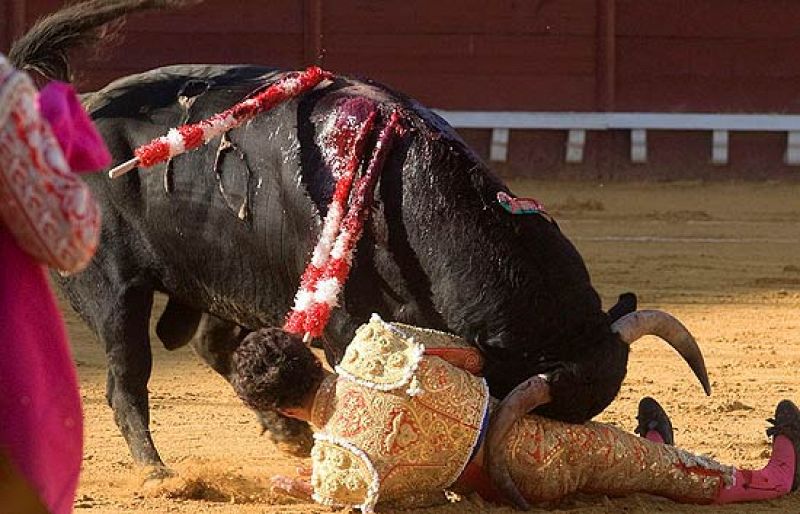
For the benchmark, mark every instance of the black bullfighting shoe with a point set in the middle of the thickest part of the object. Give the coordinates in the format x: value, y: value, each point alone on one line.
x: 652, y: 416
x: 787, y: 423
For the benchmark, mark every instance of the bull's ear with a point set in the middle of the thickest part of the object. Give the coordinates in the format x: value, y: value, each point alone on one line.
x: 625, y: 305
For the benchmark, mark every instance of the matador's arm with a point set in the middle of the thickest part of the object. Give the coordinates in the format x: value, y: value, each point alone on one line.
x: 44, y: 138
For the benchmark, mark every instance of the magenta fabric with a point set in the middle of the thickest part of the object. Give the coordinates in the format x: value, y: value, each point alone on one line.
x: 82, y: 145
x: 773, y: 481
x: 654, y: 436
x: 41, y: 428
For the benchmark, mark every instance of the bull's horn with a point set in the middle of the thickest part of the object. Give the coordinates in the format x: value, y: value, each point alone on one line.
x: 525, y: 397
x: 658, y: 323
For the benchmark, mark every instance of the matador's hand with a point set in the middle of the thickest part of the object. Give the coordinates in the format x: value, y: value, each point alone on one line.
x: 296, y: 487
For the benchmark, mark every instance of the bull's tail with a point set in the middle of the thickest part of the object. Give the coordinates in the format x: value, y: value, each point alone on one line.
x: 44, y: 48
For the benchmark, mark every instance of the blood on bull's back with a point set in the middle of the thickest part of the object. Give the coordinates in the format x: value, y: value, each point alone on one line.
x: 228, y: 228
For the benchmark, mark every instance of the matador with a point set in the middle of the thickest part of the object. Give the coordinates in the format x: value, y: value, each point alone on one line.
x: 406, y: 417
x: 47, y: 218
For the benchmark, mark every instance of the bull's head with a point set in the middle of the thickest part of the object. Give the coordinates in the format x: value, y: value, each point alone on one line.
x: 536, y: 312
x: 539, y: 390
x: 584, y: 382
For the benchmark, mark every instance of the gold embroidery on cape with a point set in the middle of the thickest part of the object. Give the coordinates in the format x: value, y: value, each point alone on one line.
x: 380, y: 356
x: 339, y: 475
x: 448, y: 346
x: 49, y: 212
x: 415, y: 443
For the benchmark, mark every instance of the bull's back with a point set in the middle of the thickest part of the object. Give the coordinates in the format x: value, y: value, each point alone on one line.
x: 212, y: 228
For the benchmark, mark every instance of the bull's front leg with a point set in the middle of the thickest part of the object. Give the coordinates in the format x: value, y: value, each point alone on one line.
x: 215, y: 342
x: 122, y: 326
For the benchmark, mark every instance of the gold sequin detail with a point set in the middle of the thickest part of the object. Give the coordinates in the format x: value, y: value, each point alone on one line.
x: 338, y: 474
x: 549, y: 460
x: 380, y: 356
x: 441, y: 343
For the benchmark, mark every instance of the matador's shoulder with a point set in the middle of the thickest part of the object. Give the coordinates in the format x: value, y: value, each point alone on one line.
x: 381, y: 357
x: 385, y: 356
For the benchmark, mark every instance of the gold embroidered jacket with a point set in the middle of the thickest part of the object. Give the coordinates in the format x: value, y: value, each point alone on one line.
x: 396, y: 421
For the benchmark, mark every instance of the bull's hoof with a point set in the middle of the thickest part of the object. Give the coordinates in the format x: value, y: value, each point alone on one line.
x: 154, y: 476
x: 298, y: 445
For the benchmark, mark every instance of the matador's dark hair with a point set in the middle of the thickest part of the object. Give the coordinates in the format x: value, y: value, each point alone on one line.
x: 273, y: 369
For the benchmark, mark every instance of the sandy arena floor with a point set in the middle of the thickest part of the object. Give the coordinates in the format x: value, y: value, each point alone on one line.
x: 725, y: 258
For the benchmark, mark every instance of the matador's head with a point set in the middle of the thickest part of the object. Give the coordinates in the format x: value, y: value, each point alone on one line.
x: 274, y: 370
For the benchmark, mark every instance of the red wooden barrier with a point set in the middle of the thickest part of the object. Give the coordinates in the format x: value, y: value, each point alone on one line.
x: 570, y: 55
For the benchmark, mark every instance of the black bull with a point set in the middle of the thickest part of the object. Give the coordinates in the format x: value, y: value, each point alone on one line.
x: 226, y: 231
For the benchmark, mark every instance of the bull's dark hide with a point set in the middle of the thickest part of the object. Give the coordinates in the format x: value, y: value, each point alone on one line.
x: 227, y: 230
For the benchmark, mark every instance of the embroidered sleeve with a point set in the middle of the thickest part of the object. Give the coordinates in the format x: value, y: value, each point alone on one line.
x: 342, y: 475
x: 49, y: 210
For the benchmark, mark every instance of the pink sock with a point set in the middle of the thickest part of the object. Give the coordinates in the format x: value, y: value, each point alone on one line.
x: 771, y: 482
x: 654, y: 436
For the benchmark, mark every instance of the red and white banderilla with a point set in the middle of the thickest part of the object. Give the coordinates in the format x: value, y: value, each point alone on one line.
x: 323, y: 281
x: 188, y: 137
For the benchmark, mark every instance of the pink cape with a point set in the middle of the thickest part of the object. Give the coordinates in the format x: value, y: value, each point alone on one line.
x: 41, y: 427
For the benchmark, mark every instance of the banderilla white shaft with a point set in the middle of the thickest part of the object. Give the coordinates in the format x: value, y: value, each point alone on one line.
x: 123, y: 168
